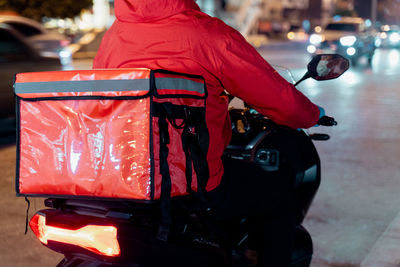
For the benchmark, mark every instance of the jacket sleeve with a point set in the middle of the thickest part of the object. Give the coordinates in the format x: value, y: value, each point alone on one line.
x: 245, y: 74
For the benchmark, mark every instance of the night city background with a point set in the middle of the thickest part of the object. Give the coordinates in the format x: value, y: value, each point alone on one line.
x: 355, y: 217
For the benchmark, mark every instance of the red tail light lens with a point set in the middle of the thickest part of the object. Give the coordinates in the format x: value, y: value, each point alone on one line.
x: 64, y: 43
x: 97, y: 238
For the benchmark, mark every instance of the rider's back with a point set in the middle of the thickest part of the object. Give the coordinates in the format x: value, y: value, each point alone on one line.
x: 175, y: 35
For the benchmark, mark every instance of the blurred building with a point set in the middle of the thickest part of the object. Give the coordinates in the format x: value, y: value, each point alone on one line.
x: 295, y: 10
x: 387, y: 10
x: 299, y: 13
x: 322, y: 10
x: 99, y: 17
x: 101, y: 13
x: 363, y: 8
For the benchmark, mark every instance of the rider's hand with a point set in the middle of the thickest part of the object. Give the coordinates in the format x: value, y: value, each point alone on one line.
x: 327, y: 121
x: 321, y: 114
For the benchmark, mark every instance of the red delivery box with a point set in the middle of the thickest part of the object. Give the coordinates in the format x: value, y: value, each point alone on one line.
x: 114, y: 133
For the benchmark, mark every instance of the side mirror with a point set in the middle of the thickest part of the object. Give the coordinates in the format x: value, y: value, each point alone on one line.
x: 327, y: 66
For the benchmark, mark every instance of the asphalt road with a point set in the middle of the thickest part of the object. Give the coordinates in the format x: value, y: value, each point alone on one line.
x: 358, y: 198
x: 357, y: 205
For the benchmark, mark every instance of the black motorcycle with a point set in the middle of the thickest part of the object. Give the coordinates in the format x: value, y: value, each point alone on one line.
x: 122, y: 233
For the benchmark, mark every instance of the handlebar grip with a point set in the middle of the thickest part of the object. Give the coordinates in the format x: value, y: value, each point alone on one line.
x: 327, y: 121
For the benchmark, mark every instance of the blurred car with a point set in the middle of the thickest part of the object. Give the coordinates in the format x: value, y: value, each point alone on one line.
x: 17, y: 55
x: 351, y: 37
x: 297, y: 34
x: 390, y: 36
x: 48, y: 43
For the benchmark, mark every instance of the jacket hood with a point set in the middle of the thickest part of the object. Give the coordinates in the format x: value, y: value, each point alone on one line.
x: 150, y: 10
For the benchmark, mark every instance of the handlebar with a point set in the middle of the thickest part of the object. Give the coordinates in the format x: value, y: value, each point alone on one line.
x: 327, y: 121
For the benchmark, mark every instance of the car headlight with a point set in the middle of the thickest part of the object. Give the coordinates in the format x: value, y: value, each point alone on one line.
x: 316, y: 39
x: 348, y: 40
x: 351, y: 51
x: 311, y: 49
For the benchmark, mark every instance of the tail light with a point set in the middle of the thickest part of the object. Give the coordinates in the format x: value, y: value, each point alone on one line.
x: 64, y: 43
x: 96, y: 238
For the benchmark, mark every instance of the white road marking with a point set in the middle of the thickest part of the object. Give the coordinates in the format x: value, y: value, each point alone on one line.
x: 386, y: 250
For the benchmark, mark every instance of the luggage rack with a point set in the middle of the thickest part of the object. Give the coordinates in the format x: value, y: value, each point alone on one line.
x: 118, y: 209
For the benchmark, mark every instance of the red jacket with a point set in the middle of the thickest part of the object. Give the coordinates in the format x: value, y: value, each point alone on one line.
x: 175, y: 35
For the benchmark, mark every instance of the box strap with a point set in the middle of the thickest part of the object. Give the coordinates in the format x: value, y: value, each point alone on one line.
x: 195, y: 146
x: 27, y: 215
x: 195, y: 140
x: 165, y: 198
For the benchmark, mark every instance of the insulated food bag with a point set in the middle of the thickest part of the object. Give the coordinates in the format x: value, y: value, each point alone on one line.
x: 131, y: 134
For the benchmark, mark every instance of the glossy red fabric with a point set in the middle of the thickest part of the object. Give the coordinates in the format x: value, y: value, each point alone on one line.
x: 175, y: 35
x: 176, y: 162
x: 176, y: 156
x: 76, y: 147
x: 72, y: 145
x: 82, y: 75
x: 164, y: 90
